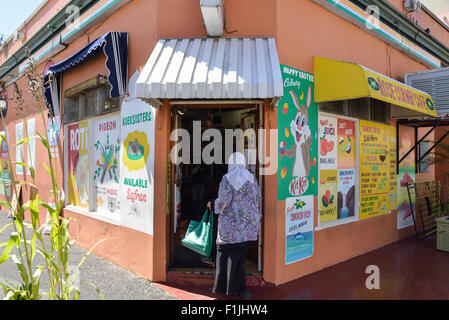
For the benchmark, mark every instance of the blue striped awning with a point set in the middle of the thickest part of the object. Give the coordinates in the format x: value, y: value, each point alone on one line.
x: 115, y: 47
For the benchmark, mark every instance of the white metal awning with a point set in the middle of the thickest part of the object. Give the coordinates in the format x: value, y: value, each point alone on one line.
x: 212, y: 68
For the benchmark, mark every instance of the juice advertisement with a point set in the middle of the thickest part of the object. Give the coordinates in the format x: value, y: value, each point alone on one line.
x: 328, y: 195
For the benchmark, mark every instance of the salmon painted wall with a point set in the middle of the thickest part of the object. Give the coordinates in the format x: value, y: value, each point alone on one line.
x: 39, y: 20
x: 425, y: 21
x: 302, y: 30
x: 301, y: 35
x: 128, y: 248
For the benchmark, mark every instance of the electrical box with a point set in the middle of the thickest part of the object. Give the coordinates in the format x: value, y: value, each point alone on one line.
x: 443, y: 233
x: 412, y: 5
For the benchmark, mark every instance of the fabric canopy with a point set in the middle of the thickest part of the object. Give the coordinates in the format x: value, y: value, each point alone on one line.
x: 338, y: 80
x: 115, y: 47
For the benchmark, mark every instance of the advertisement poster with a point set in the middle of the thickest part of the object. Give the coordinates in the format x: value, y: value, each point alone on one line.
x: 337, y: 168
x: 328, y: 195
x: 346, y: 168
x: 374, y: 169
x: 298, y: 136
x: 107, y: 166
x: 328, y: 143
x: 4, y: 147
x: 5, y: 175
x: 19, y: 149
x: 406, y: 174
x: 137, y: 162
x: 393, y: 170
x: 31, y: 145
x: 346, y: 193
x: 78, y: 165
x: 53, y: 131
x: 298, y: 228
x: 5, y: 178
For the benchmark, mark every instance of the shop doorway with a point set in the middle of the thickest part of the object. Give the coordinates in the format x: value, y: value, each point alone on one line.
x: 193, y: 185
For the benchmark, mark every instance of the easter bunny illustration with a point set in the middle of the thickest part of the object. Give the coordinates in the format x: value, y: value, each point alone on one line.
x: 299, y: 128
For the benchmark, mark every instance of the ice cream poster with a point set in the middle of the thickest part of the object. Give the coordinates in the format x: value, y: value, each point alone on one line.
x: 406, y: 175
x: 297, y: 136
x: 374, y: 169
x: 78, y: 165
x: 137, y: 162
x: 298, y: 228
x: 106, y: 173
x: 328, y: 195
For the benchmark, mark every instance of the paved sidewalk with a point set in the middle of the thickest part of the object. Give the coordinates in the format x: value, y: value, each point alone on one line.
x: 409, y: 269
x: 114, y: 282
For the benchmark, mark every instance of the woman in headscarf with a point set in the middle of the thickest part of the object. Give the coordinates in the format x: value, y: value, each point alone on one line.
x: 239, y: 211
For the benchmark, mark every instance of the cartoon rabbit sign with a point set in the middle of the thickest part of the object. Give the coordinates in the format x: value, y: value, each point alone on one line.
x: 300, y: 131
x: 297, y: 123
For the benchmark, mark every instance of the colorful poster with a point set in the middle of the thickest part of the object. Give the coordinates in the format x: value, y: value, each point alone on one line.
x: 5, y: 178
x: 346, y: 193
x: 31, y: 132
x: 374, y: 169
x: 328, y: 195
x: 106, y: 173
x: 328, y: 143
x: 298, y: 138
x: 5, y: 175
x: 137, y: 162
x: 393, y: 170
x: 78, y: 165
x: 346, y: 144
x: 53, y: 131
x: 4, y: 147
x: 406, y: 175
x: 298, y: 228
x: 346, y: 168
x: 19, y: 148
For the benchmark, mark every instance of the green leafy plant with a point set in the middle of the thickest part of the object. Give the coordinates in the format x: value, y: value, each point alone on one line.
x: 55, y: 256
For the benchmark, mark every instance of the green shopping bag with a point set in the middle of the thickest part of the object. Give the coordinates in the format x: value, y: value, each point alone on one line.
x: 199, y: 235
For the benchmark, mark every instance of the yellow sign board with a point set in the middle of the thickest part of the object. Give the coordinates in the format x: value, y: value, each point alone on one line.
x: 338, y: 80
x: 374, y: 169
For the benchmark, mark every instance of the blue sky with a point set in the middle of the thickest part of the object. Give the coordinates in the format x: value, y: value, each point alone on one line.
x: 13, y: 13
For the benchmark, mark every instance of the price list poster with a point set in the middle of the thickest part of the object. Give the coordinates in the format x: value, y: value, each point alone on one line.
x: 374, y: 169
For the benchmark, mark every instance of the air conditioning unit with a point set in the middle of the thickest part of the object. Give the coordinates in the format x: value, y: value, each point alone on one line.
x: 412, y: 5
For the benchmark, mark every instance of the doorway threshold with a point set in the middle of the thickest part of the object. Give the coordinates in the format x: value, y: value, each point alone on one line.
x: 206, y: 276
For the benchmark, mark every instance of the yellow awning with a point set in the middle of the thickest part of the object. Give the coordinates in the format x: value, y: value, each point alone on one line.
x: 338, y: 80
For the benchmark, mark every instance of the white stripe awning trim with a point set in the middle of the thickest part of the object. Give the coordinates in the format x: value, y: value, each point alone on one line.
x: 212, y: 68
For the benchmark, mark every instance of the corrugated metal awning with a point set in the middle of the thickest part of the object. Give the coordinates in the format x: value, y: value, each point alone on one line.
x: 208, y: 68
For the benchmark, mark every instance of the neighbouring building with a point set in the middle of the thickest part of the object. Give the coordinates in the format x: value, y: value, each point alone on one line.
x: 323, y: 78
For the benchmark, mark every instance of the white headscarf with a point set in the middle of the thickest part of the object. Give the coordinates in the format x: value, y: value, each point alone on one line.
x: 237, y: 173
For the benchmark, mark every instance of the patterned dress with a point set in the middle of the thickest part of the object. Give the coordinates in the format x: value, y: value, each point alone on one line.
x: 239, y: 212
